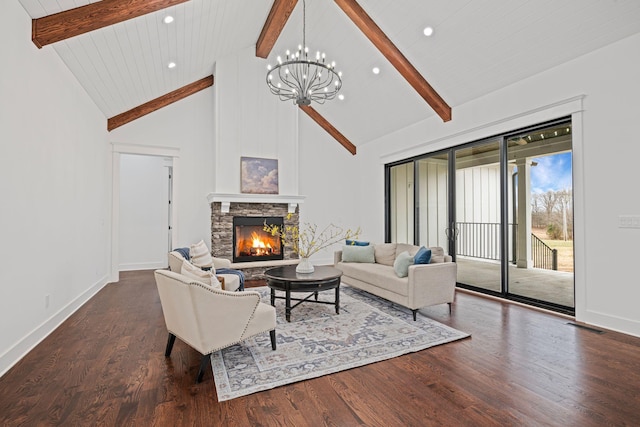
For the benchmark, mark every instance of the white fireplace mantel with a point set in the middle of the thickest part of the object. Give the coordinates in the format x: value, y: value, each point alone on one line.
x: 226, y: 200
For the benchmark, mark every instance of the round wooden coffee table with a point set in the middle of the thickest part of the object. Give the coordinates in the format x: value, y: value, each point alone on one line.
x: 286, y: 279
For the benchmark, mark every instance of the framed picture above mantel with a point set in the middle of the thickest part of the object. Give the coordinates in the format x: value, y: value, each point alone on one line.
x: 258, y: 176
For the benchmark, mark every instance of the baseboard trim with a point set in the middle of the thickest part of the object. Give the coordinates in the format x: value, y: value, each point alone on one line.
x: 153, y: 265
x: 612, y: 323
x: 31, y: 340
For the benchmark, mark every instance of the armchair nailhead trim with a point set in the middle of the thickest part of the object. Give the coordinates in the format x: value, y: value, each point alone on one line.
x: 234, y: 295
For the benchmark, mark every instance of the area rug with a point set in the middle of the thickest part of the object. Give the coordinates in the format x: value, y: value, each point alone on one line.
x: 318, y: 342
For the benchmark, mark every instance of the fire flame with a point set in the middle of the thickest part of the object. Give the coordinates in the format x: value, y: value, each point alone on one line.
x: 258, y: 243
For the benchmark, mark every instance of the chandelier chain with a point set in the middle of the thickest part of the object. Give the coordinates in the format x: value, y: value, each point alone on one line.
x: 304, y: 23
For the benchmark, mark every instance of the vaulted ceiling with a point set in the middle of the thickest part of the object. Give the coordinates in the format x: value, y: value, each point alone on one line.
x: 477, y: 47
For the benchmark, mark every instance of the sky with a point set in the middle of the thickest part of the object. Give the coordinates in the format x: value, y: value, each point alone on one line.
x: 259, y: 176
x: 552, y: 173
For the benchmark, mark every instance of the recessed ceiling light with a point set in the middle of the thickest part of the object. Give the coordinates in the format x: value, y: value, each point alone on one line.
x: 168, y: 19
x: 172, y: 65
x: 428, y: 31
x: 341, y: 97
x: 376, y: 70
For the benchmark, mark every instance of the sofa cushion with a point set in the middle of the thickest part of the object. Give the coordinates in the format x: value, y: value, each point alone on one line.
x: 200, y: 255
x: 358, y: 254
x: 385, y: 253
x: 423, y: 256
x: 402, y: 247
x: 402, y: 263
x: 379, y: 275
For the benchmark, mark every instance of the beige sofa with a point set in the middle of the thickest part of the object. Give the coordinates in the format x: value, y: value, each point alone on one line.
x: 425, y: 285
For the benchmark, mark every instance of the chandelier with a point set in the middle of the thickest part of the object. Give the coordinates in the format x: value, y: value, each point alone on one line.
x: 302, y: 79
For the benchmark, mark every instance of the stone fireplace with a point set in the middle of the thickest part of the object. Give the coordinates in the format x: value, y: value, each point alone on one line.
x: 225, y: 208
x: 252, y: 243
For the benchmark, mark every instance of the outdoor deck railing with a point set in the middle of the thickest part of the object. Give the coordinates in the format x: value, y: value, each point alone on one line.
x: 478, y: 240
x: 482, y: 240
x: 543, y: 255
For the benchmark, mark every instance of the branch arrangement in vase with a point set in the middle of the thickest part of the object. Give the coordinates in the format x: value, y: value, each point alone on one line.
x: 307, y: 240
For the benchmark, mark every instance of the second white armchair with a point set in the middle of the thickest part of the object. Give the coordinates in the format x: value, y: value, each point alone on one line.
x: 210, y: 319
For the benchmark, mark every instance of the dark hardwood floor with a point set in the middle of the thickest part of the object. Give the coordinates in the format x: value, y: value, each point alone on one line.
x: 105, y: 366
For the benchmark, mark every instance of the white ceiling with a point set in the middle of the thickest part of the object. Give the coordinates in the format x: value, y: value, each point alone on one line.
x: 478, y: 47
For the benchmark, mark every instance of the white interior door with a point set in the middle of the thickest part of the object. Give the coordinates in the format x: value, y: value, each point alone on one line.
x: 144, y: 212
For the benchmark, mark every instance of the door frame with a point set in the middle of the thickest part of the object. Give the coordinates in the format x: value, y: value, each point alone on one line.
x: 117, y: 149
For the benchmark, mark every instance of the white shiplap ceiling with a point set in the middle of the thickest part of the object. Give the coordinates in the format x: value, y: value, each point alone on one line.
x: 478, y: 47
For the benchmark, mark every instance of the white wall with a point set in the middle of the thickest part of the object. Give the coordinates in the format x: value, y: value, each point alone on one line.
x: 605, y: 150
x: 187, y: 127
x: 54, y: 187
x: 251, y: 122
x: 144, y: 212
x: 328, y: 173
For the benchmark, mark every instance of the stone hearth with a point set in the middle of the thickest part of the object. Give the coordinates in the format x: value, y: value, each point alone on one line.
x: 222, y: 232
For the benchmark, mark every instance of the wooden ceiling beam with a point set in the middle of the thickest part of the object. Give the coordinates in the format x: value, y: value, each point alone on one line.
x: 70, y: 23
x: 311, y: 112
x: 370, y: 29
x: 156, y: 104
x: 278, y: 17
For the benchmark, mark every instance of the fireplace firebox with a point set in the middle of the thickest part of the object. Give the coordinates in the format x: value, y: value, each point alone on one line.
x: 252, y: 243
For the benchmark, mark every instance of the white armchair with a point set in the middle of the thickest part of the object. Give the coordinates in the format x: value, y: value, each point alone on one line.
x: 210, y: 319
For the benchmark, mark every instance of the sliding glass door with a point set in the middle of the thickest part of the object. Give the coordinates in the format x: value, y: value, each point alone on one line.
x: 418, y: 194
x: 401, y: 203
x: 477, y: 223
x: 502, y: 207
x: 540, y: 173
x: 432, y: 192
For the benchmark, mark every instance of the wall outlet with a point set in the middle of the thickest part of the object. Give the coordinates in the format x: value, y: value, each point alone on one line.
x: 47, y: 300
x: 629, y: 221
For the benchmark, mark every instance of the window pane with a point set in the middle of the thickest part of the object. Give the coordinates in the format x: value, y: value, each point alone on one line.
x: 401, y: 200
x: 477, y: 228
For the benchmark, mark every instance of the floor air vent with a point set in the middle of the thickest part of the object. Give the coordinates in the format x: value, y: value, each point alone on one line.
x: 586, y: 328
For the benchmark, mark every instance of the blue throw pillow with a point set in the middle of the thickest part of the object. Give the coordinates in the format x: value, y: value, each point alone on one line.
x: 355, y: 243
x: 423, y: 256
x: 402, y: 263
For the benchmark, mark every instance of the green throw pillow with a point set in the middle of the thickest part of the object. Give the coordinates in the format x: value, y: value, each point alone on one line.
x: 358, y: 254
x: 402, y: 263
